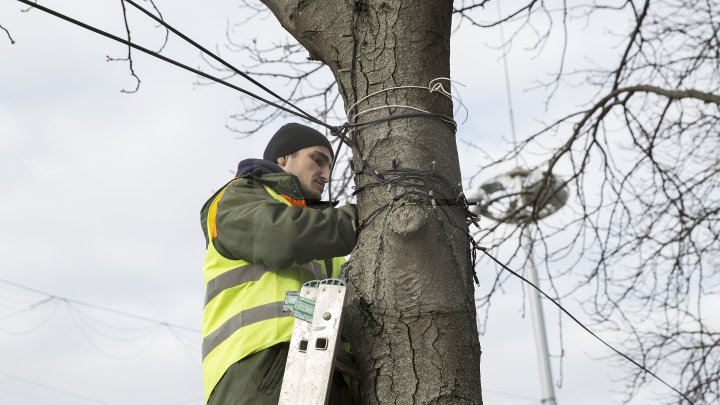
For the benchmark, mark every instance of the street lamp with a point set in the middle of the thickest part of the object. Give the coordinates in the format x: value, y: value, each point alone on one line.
x: 522, y: 197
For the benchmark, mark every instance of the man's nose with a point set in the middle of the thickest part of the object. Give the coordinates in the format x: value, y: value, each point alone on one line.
x: 325, y: 175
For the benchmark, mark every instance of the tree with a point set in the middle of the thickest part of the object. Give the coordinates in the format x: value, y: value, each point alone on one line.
x: 412, y: 324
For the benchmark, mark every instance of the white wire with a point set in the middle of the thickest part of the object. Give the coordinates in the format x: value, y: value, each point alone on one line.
x: 432, y: 87
x: 438, y: 87
x: 442, y: 117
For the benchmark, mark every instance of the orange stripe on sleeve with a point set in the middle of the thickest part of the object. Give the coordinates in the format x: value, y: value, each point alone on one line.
x: 212, y: 228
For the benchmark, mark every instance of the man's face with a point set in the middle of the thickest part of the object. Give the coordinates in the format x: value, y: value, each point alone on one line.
x: 311, y: 165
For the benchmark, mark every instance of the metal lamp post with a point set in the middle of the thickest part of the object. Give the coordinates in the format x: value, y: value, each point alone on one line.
x: 523, y: 197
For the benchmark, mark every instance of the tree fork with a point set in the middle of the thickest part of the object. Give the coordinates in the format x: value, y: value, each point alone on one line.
x: 411, y: 320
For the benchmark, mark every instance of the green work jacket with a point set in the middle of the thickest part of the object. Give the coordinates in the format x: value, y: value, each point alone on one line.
x: 262, y: 241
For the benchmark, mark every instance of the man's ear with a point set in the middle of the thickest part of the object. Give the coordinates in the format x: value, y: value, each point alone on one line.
x: 282, y: 161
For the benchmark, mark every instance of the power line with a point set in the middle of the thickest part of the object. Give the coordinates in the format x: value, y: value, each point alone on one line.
x: 54, y: 389
x: 101, y: 308
x: 176, y: 63
x: 302, y: 114
x: 216, y: 57
x: 516, y: 274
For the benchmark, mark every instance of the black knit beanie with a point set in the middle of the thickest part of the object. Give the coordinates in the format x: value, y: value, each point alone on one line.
x: 291, y: 138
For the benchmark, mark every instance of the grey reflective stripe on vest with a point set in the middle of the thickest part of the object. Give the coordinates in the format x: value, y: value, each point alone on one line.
x: 232, y: 278
x: 243, y: 318
x: 250, y: 272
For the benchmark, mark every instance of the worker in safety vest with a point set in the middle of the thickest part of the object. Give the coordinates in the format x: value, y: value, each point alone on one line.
x: 267, y: 233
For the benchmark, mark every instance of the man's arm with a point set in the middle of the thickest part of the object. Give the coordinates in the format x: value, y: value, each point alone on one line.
x: 253, y: 226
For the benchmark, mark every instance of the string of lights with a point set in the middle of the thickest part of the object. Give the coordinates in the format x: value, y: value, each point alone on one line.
x: 99, y: 307
x: 30, y: 329
x: 85, y: 332
x: 100, y: 334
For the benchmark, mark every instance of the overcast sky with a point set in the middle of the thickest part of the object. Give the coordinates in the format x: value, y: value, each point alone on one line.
x: 100, y: 194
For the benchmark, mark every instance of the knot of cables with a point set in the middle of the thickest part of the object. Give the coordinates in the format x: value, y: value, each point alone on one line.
x: 423, y: 188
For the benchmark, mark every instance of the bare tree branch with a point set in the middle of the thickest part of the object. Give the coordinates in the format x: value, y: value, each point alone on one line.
x: 128, y: 35
x: 12, y: 41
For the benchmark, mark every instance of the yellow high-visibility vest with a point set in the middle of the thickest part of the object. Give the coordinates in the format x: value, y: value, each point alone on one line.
x: 243, y: 303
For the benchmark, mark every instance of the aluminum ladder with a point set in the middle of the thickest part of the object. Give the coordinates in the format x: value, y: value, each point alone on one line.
x: 315, y: 349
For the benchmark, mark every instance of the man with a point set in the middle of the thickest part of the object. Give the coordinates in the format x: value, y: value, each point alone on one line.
x: 266, y: 234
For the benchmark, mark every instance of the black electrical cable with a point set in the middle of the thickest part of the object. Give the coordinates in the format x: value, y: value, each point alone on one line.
x: 217, y: 58
x: 299, y: 113
x: 566, y: 312
x: 174, y: 62
x: 341, y: 134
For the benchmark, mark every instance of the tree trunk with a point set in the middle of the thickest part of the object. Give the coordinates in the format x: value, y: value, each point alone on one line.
x: 412, y: 317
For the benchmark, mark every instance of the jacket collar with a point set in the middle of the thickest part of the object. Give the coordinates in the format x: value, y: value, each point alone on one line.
x: 282, y: 182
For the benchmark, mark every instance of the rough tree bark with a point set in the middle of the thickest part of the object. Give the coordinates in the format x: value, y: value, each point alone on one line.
x: 412, y: 317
